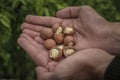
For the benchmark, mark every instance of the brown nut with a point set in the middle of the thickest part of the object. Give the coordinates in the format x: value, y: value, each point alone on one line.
x: 68, y: 51
x: 68, y: 31
x: 49, y: 43
x: 55, y: 53
x: 69, y: 40
x: 60, y: 46
x: 58, y: 38
x: 57, y: 28
x: 46, y: 33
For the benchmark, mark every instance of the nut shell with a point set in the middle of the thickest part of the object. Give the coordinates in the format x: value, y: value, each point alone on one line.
x: 68, y: 31
x: 57, y: 28
x: 69, y: 40
x: 55, y: 53
x: 59, y: 38
x: 46, y: 33
x: 49, y: 43
x: 68, y: 51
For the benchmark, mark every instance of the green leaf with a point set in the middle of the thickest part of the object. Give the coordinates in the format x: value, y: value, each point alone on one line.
x: 5, y: 21
x: 15, y: 4
x: 39, y: 7
x: 24, y: 2
x: 47, y: 13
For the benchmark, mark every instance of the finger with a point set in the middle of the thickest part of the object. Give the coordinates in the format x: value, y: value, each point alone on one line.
x: 51, y: 66
x: 31, y: 33
x: 43, y: 74
x: 37, y: 55
x: 35, y: 44
x: 39, y: 40
x: 44, y: 21
x: 32, y: 27
x: 73, y: 12
x: 69, y: 12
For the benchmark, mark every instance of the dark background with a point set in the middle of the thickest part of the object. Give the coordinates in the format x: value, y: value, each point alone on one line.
x: 14, y: 62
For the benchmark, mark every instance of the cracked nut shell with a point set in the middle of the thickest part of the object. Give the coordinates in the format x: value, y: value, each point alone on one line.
x: 57, y: 28
x: 68, y: 31
x: 69, y: 40
x: 67, y: 51
x: 55, y: 53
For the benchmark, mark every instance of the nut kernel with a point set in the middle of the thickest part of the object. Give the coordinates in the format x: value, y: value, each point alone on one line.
x: 60, y: 47
x: 55, y: 53
x: 68, y: 51
x: 57, y: 28
x: 68, y: 31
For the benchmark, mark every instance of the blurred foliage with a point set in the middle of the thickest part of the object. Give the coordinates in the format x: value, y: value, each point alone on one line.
x: 14, y: 63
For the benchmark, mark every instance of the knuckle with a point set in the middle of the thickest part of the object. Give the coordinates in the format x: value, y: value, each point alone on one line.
x: 27, y: 17
x: 36, y: 69
x: 23, y: 25
x: 25, y: 30
x: 18, y: 40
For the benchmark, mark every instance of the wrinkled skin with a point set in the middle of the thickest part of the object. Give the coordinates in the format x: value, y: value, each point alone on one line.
x: 89, y: 64
x: 92, y: 31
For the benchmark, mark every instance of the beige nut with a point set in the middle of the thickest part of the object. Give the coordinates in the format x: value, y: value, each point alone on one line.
x: 57, y: 28
x: 69, y: 40
x: 60, y: 46
x: 46, y: 33
x: 68, y: 31
x: 58, y: 38
x: 68, y: 51
x: 55, y: 53
x: 49, y: 43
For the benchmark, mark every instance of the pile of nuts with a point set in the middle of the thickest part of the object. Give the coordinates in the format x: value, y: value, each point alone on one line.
x: 59, y: 41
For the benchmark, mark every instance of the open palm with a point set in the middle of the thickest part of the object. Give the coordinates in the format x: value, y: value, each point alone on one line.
x: 88, y: 64
x: 91, y: 32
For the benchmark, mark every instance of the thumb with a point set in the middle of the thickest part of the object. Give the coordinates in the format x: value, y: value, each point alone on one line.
x: 43, y: 74
x: 69, y: 12
x: 79, y: 11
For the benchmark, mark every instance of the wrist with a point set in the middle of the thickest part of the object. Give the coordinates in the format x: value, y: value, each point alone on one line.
x: 115, y: 27
x: 111, y: 42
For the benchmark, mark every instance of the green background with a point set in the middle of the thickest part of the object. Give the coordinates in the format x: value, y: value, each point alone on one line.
x: 14, y: 62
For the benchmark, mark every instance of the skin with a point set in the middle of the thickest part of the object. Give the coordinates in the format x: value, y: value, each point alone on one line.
x: 88, y: 64
x: 92, y: 31
x: 83, y: 65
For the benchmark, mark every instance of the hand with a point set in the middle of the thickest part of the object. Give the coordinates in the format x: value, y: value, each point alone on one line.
x: 35, y: 50
x: 89, y: 64
x: 85, y: 36
x: 92, y: 31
